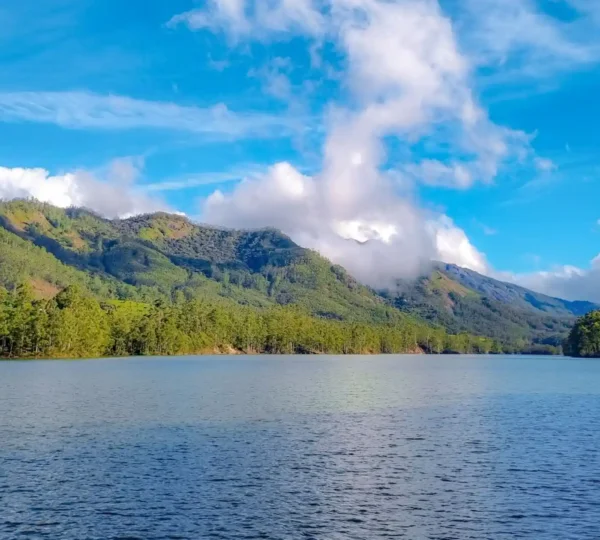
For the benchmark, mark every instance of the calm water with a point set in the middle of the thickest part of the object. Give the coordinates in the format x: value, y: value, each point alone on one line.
x: 284, y: 448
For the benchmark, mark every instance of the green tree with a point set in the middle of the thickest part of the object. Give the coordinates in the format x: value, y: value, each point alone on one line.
x: 21, y: 317
x: 81, y: 327
x: 584, y: 339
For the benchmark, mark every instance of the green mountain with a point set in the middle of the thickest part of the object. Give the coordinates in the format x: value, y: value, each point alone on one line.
x: 167, y: 258
x: 519, y: 297
x: 462, y: 300
x: 163, y: 256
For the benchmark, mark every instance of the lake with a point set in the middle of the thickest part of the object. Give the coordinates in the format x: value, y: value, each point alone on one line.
x: 301, y: 447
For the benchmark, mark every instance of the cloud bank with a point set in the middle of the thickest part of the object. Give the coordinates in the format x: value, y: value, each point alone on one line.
x: 112, y: 192
x: 378, y: 236
x: 407, y: 79
x: 567, y: 282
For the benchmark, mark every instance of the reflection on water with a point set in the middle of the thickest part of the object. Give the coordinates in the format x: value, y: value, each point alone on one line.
x: 324, y: 447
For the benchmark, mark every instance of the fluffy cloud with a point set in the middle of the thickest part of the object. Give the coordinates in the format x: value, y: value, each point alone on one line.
x: 236, y: 18
x: 381, y: 227
x: 453, y: 246
x: 111, y: 193
x: 407, y: 78
x: 379, y: 238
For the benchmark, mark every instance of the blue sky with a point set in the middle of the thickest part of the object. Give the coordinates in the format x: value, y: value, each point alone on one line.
x: 193, y: 97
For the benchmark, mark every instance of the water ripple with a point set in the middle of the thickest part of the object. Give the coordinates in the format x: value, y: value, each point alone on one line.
x: 268, y: 449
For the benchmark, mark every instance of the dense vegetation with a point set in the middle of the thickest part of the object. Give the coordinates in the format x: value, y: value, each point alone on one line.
x: 584, y: 339
x: 162, y: 264
x: 75, y: 325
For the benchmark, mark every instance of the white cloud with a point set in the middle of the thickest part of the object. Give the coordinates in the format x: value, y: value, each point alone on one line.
x: 435, y: 173
x: 402, y: 62
x: 567, y: 282
x: 379, y: 238
x: 229, y: 12
x: 187, y: 181
x: 111, y: 193
x: 407, y: 78
x: 239, y: 17
x: 303, y: 207
x: 453, y: 246
x: 275, y: 78
x: 517, y: 35
x: 84, y: 110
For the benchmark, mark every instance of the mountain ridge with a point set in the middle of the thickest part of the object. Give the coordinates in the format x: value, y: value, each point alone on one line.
x: 506, y: 291
x: 461, y: 300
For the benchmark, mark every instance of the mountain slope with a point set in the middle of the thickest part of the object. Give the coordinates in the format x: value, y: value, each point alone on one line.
x: 515, y: 295
x: 462, y: 300
x: 162, y: 255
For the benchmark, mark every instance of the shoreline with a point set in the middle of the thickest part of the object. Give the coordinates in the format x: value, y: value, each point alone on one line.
x: 239, y: 354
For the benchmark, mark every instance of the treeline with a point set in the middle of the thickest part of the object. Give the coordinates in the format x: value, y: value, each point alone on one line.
x: 75, y: 325
x: 584, y: 339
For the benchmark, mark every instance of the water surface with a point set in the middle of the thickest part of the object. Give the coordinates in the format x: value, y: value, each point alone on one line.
x: 301, y: 447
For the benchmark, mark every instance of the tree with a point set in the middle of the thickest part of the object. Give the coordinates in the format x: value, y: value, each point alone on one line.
x: 21, y: 315
x: 80, y: 325
x: 74, y: 324
x: 584, y: 339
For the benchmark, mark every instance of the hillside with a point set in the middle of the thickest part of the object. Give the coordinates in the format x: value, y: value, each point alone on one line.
x: 519, y: 297
x: 462, y: 300
x: 161, y: 256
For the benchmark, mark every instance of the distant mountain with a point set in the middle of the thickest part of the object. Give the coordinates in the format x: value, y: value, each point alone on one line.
x: 515, y: 295
x: 165, y: 257
x: 462, y: 300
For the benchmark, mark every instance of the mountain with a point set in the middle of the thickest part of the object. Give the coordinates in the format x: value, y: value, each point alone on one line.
x: 462, y: 300
x: 515, y: 295
x: 161, y: 256
x: 164, y: 257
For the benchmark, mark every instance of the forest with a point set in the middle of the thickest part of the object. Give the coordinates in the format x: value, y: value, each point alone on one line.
x: 76, y: 325
x: 584, y: 339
